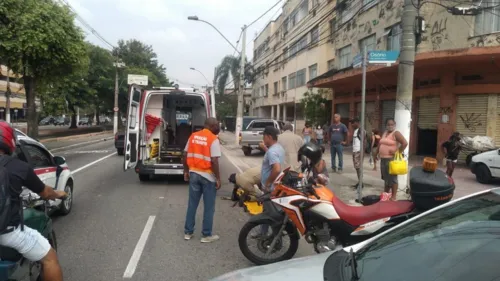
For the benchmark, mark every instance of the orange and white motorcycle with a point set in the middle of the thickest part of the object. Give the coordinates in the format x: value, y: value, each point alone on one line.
x: 298, y: 206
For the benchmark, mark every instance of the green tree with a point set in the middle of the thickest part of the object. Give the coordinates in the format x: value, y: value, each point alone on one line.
x: 41, y: 41
x: 230, y: 67
x: 225, y: 105
x: 101, y: 78
x: 314, y: 105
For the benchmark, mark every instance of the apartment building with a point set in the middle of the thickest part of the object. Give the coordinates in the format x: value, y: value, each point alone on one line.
x: 18, y: 94
x: 457, y: 77
x: 291, y: 50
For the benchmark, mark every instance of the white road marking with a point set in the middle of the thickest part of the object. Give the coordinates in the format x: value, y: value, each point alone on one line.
x: 80, y: 143
x: 87, y: 152
x: 92, y: 163
x: 139, y: 248
x: 230, y: 158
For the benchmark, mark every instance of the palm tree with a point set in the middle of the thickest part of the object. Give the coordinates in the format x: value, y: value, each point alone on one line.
x: 230, y: 66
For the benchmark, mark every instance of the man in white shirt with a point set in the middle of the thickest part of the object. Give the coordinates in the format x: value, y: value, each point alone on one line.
x: 356, y: 147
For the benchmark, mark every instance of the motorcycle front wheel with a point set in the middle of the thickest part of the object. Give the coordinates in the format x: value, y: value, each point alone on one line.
x: 264, y: 237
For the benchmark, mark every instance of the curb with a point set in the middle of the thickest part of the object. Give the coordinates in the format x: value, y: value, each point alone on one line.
x: 74, y: 136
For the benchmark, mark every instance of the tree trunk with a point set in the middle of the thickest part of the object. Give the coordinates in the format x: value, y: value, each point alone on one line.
x: 72, y: 108
x: 29, y: 86
x: 97, y: 114
x: 120, y: 123
x: 7, y: 98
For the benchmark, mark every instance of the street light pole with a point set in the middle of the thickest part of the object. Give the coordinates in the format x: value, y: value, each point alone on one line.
x: 212, y: 92
x: 239, y: 111
x: 195, y: 18
x: 115, y: 109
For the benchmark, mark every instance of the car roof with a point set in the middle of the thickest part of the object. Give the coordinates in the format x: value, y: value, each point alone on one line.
x: 22, y: 136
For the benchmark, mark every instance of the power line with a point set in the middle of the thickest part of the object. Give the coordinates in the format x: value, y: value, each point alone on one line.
x: 265, y: 13
x: 86, y: 24
x: 272, y: 17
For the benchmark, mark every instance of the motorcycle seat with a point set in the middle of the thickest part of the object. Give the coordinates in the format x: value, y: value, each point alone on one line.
x: 9, y: 254
x: 358, y: 215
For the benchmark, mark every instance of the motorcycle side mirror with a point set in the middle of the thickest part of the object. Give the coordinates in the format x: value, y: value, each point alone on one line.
x: 59, y: 160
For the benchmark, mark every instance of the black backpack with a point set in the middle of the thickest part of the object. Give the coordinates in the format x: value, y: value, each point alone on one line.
x: 7, y: 209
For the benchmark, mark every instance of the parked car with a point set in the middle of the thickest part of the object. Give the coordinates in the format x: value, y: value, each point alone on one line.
x: 459, y: 240
x: 49, y: 120
x: 486, y: 166
x: 45, y: 164
x: 120, y: 142
x: 85, y: 121
x: 251, y: 136
x: 61, y: 121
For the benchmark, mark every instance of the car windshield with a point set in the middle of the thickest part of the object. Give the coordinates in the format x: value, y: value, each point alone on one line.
x: 460, y: 242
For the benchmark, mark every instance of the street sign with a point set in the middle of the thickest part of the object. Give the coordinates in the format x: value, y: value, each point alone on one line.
x: 141, y: 80
x: 115, y: 109
x: 383, y: 57
x: 357, y: 61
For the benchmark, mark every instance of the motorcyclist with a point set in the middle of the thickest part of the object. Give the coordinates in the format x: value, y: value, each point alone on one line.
x: 28, y: 242
x: 311, y: 154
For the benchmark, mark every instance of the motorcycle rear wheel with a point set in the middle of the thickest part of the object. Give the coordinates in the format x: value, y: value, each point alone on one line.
x: 245, y: 250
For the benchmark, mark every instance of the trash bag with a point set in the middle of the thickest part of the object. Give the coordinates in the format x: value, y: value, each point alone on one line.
x: 478, y: 143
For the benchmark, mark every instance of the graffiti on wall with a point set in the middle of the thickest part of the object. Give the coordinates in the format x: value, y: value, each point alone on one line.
x: 438, y: 33
x: 471, y: 121
x: 486, y: 41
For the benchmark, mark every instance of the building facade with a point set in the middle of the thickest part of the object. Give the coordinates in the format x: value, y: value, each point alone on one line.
x: 456, y: 81
x: 291, y: 50
x: 17, y: 98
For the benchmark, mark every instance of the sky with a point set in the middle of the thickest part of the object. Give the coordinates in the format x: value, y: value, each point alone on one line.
x: 179, y: 43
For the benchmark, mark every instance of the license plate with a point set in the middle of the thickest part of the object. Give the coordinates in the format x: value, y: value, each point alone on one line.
x: 169, y: 172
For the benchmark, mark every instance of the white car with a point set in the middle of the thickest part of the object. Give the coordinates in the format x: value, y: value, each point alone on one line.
x: 486, y: 166
x: 46, y: 165
x: 457, y: 241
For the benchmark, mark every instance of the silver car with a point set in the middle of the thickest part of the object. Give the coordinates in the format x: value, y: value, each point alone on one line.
x: 458, y: 241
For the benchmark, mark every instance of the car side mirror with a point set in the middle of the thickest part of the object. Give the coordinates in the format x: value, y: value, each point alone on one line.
x: 59, y: 160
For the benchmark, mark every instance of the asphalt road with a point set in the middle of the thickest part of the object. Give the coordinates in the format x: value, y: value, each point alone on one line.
x: 111, y: 210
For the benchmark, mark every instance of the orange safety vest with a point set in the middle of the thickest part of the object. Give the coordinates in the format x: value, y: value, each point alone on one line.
x: 198, y: 154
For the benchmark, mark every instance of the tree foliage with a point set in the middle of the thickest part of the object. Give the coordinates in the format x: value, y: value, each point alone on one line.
x: 225, y: 105
x: 314, y: 105
x: 40, y: 40
x: 230, y: 66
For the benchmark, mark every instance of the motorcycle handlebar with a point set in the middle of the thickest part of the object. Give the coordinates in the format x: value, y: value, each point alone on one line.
x: 310, y: 189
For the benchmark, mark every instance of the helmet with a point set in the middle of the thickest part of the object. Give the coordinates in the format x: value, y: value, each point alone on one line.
x: 311, y: 151
x: 7, y: 137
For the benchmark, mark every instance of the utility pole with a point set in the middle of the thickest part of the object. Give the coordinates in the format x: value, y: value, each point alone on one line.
x: 239, y: 112
x: 362, y: 119
x: 7, y: 97
x: 404, y: 95
x: 117, y: 65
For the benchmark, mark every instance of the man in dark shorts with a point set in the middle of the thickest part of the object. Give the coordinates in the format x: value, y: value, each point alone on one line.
x: 28, y: 242
x: 451, y: 149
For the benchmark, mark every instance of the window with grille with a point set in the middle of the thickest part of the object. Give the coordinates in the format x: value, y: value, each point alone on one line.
x: 345, y: 57
x: 488, y: 20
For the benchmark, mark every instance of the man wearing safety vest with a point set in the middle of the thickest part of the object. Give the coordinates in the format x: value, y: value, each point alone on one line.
x: 201, y: 169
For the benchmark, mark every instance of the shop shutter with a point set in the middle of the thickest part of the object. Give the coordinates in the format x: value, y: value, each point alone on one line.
x: 471, y: 114
x: 388, y: 111
x: 343, y: 110
x: 428, y: 112
x: 497, y: 127
x: 369, y: 114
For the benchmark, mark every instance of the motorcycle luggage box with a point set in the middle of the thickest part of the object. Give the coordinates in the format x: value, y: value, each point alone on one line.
x: 429, y: 190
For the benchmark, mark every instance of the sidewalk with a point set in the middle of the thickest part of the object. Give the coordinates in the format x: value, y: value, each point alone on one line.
x: 465, y: 181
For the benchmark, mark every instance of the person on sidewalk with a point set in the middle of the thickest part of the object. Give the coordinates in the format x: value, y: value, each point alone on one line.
x: 356, y: 148
x: 337, y: 134
x: 319, y: 135
x: 307, y: 132
x: 291, y: 143
x: 201, y: 169
x: 274, y: 159
x: 451, y: 148
x: 391, y: 142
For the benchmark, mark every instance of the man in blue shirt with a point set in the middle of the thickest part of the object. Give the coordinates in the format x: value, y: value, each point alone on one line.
x: 337, y: 133
x: 274, y: 159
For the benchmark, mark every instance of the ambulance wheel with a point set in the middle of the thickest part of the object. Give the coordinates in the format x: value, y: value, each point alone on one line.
x: 144, y: 177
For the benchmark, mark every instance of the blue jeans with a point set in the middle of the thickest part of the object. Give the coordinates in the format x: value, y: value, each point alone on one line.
x: 320, y: 141
x: 199, y: 186
x: 307, y: 139
x: 337, y: 150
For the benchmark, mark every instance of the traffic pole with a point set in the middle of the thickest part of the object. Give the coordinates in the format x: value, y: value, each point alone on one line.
x: 239, y: 112
x: 404, y: 95
x: 115, y: 116
x: 362, y: 120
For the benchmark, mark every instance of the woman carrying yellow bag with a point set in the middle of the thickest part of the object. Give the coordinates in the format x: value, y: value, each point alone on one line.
x: 392, y: 143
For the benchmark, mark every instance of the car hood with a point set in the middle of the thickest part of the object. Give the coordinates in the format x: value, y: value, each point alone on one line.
x: 306, y: 268
x: 491, y: 153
